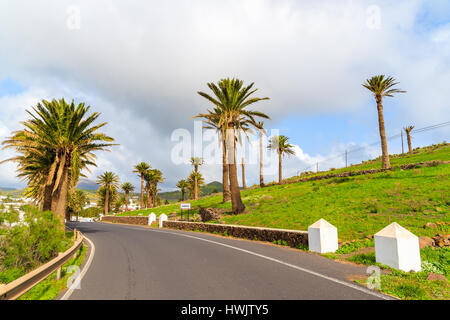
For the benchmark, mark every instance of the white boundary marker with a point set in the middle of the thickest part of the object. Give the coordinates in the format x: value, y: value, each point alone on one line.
x: 347, y: 284
x: 69, y: 292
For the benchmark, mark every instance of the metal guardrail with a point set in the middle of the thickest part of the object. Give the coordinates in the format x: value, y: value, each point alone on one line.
x: 18, y: 287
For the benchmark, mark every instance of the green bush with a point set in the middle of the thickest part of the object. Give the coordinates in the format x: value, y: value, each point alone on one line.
x: 27, y: 245
x: 91, y: 212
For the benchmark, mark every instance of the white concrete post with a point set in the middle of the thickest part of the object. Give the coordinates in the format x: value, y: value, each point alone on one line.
x: 398, y: 248
x: 101, y: 216
x: 162, y: 218
x: 322, y: 237
x: 151, y: 218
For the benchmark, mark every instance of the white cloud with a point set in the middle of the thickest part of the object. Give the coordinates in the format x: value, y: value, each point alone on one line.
x: 141, y: 63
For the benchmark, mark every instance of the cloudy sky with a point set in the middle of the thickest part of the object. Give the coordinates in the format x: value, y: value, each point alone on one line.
x: 141, y: 63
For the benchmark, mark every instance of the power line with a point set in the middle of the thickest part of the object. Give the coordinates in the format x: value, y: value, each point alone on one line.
x: 424, y: 129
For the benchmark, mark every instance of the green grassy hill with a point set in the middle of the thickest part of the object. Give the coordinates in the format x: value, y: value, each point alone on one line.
x: 358, y: 206
x: 210, y: 188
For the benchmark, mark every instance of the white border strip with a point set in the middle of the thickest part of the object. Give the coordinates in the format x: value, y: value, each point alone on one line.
x: 69, y: 292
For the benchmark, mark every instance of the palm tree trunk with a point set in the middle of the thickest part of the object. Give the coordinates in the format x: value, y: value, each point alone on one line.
x: 408, y: 137
x: 149, y: 199
x: 225, y: 175
x: 106, y: 210
x: 236, y: 201
x: 261, y: 175
x: 244, y: 186
x: 280, y: 175
x: 384, y: 150
x: 195, y: 183
x: 59, y: 198
x: 141, y: 205
x: 126, y: 200
x: 47, y: 198
x: 182, y: 195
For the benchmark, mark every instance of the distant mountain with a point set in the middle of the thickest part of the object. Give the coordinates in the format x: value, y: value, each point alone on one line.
x: 11, y: 192
x: 7, y: 189
x: 86, y: 184
x: 210, y: 188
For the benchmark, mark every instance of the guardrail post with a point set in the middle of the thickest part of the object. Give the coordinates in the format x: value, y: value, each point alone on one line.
x: 58, y: 271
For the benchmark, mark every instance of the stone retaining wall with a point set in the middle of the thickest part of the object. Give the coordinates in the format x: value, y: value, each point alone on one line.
x: 293, y: 238
x: 368, y: 171
x: 126, y: 220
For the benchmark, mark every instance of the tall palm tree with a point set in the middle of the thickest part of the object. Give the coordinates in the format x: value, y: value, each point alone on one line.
x: 127, y: 187
x: 196, y: 162
x: 56, y: 144
x: 141, y: 169
x: 282, y: 147
x: 260, y: 127
x: 182, y: 185
x: 109, y: 181
x: 212, y: 121
x: 231, y: 100
x: 148, y: 177
x: 382, y: 87
x: 152, y: 178
x: 408, y: 137
x: 157, y: 178
x: 194, y: 180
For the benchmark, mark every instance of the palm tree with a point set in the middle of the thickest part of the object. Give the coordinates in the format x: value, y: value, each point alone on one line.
x: 152, y: 178
x: 260, y: 127
x: 127, y: 187
x: 212, y: 121
x: 109, y: 181
x: 56, y: 144
x: 141, y: 169
x: 408, y: 137
x: 231, y: 99
x: 244, y: 186
x: 157, y: 178
x: 195, y: 180
x: 113, y: 195
x: 282, y: 147
x: 182, y: 185
x: 196, y: 162
x: 77, y: 201
x: 382, y: 87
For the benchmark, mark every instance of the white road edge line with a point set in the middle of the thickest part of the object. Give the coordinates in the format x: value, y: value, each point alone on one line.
x: 347, y: 284
x: 69, y: 292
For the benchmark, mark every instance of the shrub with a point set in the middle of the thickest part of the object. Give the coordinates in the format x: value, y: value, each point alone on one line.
x: 91, y: 212
x: 27, y: 245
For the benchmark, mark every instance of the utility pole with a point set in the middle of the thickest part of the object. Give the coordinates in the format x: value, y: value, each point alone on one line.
x: 401, y: 133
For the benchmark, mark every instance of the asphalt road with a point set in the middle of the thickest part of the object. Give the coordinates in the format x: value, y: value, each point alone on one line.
x: 132, y: 262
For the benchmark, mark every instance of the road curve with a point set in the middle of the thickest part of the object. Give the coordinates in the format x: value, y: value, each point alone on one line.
x: 133, y: 262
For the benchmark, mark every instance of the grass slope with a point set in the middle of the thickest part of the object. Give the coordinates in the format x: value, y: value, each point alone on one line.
x: 209, y: 189
x: 358, y: 206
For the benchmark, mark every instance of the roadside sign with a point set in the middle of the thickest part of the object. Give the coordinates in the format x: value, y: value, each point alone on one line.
x: 185, y: 206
